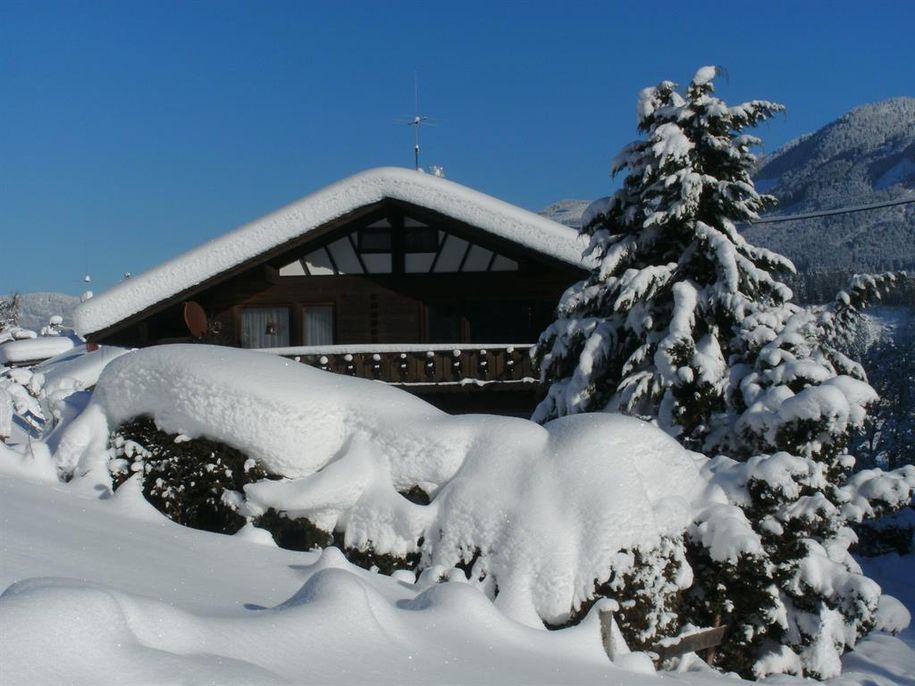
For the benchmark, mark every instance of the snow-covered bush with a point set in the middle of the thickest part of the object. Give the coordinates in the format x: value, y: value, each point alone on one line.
x: 683, y: 322
x: 20, y: 398
x: 543, y: 519
x: 887, y: 353
x: 894, y: 533
x: 648, y: 583
x: 27, y: 360
x: 197, y: 483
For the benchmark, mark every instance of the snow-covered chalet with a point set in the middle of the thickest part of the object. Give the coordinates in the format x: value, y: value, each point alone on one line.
x: 389, y: 274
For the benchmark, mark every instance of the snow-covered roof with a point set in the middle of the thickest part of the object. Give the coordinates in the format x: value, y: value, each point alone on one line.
x: 314, y: 211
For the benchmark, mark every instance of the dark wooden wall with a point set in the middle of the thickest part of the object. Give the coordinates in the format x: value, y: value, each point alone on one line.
x: 394, y: 309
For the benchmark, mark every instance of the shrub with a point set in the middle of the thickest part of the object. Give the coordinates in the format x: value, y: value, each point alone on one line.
x: 195, y: 482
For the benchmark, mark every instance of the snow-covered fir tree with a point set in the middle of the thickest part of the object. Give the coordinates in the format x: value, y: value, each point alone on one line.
x: 684, y: 322
x: 9, y: 312
x: 649, y: 331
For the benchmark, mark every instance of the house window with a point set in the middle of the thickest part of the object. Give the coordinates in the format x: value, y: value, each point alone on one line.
x: 264, y: 327
x: 318, y: 325
x: 375, y: 239
x: 420, y: 239
x: 444, y: 321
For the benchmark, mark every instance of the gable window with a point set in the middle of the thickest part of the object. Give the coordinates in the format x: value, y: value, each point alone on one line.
x: 318, y: 325
x: 412, y: 248
x: 374, y: 239
x: 264, y: 327
x: 420, y: 239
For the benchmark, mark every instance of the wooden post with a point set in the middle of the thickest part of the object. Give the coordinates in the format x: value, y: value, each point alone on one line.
x: 615, y: 645
x: 610, y: 636
x: 692, y: 643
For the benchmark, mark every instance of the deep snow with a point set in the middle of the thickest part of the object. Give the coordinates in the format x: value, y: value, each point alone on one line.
x: 116, y: 593
x: 552, y: 508
x: 101, y: 588
x: 111, y: 592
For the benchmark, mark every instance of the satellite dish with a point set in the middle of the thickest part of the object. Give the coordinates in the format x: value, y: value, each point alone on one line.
x: 195, y: 319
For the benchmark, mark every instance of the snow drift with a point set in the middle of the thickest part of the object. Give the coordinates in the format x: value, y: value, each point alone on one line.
x: 543, y: 514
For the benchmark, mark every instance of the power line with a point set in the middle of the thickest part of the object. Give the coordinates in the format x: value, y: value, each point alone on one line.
x: 828, y: 213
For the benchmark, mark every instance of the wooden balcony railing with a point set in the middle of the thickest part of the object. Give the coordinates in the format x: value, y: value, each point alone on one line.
x: 416, y: 364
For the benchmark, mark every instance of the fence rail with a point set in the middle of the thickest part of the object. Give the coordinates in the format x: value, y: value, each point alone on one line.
x: 418, y: 364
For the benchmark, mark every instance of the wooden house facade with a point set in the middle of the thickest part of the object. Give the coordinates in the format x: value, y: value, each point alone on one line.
x: 392, y: 274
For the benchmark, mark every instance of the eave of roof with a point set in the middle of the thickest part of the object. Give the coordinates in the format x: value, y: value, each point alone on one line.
x: 313, y: 211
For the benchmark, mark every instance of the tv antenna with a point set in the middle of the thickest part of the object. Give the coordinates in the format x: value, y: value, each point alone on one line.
x: 417, y: 122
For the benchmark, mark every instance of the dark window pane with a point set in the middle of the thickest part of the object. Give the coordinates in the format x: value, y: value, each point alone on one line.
x: 507, y: 321
x: 420, y: 239
x: 375, y: 240
x: 444, y: 323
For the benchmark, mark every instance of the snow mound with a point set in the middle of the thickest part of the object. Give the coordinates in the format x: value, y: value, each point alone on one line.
x: 98, y: 635
x: 543, y: 512
x: 32, y: 349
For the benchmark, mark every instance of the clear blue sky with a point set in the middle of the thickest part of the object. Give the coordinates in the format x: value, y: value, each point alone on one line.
x: 131, y: 131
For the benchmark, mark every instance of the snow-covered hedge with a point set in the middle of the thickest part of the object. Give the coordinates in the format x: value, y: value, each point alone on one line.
x: 538, y: 516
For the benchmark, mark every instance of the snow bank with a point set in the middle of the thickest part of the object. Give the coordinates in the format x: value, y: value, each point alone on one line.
x: 297, y: 219
x: 32, y: 349
x: 544, y: 512
x: 136, y: 599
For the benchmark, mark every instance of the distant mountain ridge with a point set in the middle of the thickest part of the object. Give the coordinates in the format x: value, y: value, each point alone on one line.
x: 35, y: 309
x: 566, y: 212
x: 866, y: 156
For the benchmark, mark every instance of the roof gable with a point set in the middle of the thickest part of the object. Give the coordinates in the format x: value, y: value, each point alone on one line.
x: 262, y: 236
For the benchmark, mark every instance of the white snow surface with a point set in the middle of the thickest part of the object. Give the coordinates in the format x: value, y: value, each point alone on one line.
x: 550, y: 508
x: 32, y: 349
x: 297, y: 219
x: 704, y: 75
x: 102, y: 589
x: 108, y: 591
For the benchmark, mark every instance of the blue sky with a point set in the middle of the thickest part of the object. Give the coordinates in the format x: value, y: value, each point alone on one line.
x: 131, y: 131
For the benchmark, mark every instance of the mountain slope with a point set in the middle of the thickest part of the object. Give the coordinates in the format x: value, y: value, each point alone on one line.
x: 566, y: 212
x: 866, y: 156
x: 35, y: 309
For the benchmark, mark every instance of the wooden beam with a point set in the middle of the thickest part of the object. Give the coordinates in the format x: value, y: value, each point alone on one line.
x: 271, y: 274
x: 691, y: 643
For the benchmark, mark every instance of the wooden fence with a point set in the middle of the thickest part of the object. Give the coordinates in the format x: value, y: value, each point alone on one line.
x: 412, y: 364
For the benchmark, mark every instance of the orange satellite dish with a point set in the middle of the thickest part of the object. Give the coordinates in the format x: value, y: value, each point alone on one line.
x: 195, y: 319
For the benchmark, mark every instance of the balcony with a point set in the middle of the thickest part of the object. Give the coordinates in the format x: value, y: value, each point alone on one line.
x: 422, y: 364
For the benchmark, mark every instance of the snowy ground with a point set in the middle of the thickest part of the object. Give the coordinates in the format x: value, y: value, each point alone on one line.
x: 109, y: 591
x: 106, y: 590
x: 115, y: 593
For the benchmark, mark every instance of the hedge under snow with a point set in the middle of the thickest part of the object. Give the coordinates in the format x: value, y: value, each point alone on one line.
x: 545, y: 513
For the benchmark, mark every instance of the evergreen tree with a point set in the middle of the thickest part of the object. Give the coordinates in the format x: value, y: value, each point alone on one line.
x: 9, y: 313
x: 683, y: 322
x: 650, y: 330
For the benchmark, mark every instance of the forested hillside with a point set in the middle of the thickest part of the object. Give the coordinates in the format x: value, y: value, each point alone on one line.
x: 866, y: 156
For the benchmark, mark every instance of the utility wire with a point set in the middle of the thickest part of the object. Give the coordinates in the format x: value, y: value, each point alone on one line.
x: 828, y: 213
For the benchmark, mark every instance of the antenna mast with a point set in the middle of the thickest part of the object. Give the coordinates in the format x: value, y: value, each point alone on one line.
x: 417, y: 121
